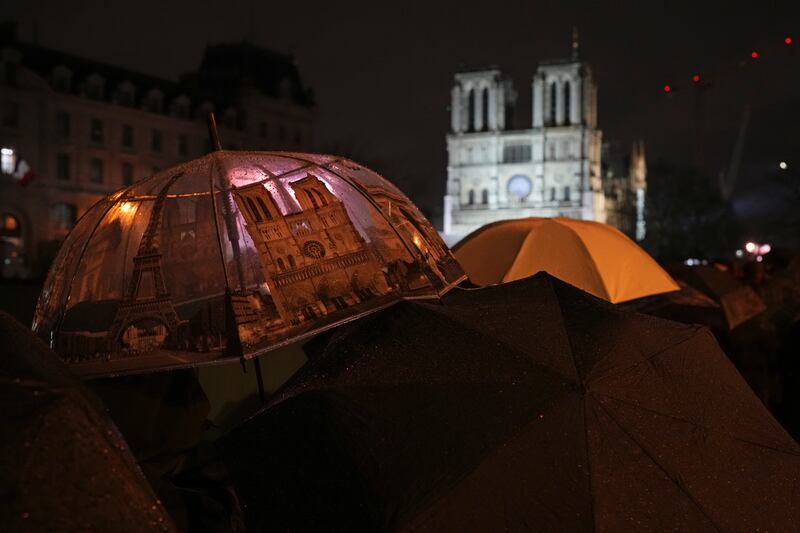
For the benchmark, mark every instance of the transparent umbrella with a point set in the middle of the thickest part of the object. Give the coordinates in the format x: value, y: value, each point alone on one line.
x: 232, y: 255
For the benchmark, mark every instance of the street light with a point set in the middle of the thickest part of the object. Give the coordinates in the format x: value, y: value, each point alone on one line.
x: 783, y: 165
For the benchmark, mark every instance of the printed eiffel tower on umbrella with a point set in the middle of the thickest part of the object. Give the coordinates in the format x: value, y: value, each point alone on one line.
x: 145, y: 321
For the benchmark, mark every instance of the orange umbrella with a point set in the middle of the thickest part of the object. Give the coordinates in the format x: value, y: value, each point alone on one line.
x: 592, y: 256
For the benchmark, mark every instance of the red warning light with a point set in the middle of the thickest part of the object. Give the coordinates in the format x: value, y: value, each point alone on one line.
x: 788, y: 40
x: 667, y: 88
x: 696, y: 78
x: 754, y: 54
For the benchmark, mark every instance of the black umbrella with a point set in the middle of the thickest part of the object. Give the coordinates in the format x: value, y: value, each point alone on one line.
x: 529, y: 405
x: 687, y: 305
x: 63, y: 464
x: 739, y: 302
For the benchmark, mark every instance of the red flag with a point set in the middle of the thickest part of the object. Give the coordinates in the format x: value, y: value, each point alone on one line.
x: 23, y: 173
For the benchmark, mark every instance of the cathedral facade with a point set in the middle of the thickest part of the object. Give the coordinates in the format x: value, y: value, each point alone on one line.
x: 552, y: 169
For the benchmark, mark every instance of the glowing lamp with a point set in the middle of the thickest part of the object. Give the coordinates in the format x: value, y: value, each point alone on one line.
x: 788, y: 40
x: 783, y: 165
x: 667, y: 88
x: 750, y: 247
x: 764, y: 249
x: 696, y: 78
x: 754, y: 54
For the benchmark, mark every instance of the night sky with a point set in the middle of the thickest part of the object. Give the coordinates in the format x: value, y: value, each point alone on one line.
x: 382, y: 75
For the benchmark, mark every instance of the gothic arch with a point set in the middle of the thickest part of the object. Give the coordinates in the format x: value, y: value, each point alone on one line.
x: 553, y: 100
x: 485, y: 102
x: 471, y: 110
x: 567, y: 103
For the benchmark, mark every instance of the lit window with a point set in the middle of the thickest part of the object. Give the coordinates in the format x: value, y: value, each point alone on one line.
x: 8, y: 160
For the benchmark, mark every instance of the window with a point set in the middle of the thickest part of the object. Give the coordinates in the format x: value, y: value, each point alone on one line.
x: 553, y: 96
x: 63, y: 124
x: 312, y: 199
x: 267, y: 214
x: 292, y: 264
x: 281, y: 266
x: 486, y: 108
x: 127, y: 174
x: 96, y: 130
x: 95, y: 86
x: 517, y: 153
x: 126, y: 94
x: 63, y: 216
x: 567, y: 194
x: 10, y: 117
x: 567, y: 103
x: 471, y: 110
x: 183, y: 145
x: 8, y: 160
x: 253, y: 209
x: 156, y: 139
x: 552, y: 194
x: 155, y: 101
x: 519, y: 187
x: 96, y: 170
x: 181, y: 106
x: 471, y: 197
x: 62, y: 79
x: 485, y: 196
x: 127, y: 136
x: 10, y: 226
x: 63, y: 166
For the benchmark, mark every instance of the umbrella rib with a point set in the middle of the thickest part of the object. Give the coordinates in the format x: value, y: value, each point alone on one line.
x: 702, y: 426
x: 645, y: 360
x: 661, y: 467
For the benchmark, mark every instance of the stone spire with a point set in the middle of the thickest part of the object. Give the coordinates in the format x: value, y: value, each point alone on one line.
x: 576, y: 49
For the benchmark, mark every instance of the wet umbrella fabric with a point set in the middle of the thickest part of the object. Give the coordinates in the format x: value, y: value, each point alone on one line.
x: 529, y: 405
x: 739, y: 302
x: 688, y: 305
x: 63, y: 465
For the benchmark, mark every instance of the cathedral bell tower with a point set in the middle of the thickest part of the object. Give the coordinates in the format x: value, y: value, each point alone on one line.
x: 481, y: 100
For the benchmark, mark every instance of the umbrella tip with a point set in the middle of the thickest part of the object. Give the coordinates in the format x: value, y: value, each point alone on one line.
x: 216, y: 144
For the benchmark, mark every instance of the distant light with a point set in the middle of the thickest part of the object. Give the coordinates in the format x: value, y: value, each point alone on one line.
x: 750, y: 247
x: 788, y: 40
x: 696, y: 78
x: 6, y: 151
x: 739, y: 253
x: 667, y: 88
x: 754, y: 54
x: 759, y: 258
x: 783, y: 165
x: 764, y: 249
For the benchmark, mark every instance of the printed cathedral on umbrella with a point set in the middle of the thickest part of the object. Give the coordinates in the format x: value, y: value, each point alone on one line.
x: 231, y: 255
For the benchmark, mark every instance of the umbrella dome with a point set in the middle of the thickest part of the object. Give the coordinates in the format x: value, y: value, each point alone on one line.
x: 592, y: 256
x: 232, y: 255
x: 64, y: 466
x: 523, y: 406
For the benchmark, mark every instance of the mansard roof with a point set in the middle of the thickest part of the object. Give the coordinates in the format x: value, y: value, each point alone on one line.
x: 271, y: 73
x: 223, y: 71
